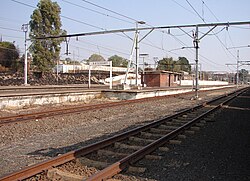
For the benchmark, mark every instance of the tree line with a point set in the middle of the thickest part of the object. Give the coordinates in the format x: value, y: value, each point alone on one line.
x: 45, y: 21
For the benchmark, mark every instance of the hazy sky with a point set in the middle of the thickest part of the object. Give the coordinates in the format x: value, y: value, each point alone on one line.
x: 81, y: 16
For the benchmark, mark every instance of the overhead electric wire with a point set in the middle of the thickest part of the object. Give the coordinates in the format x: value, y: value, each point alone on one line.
x: 216, y: 33
x: 183, y: 7
x: 94, y: 25
x: 194, y: 10
x: 18, y: 37
x: 81, y: 21
x: 212, y: 31
x: 9, y: 20
x: 66, y: 17
x: 98, y: 12
x: 110, y: 49
x: 210, y: 10
x: 96, y: 5
x: 5, y: 28
x: 246, y: 28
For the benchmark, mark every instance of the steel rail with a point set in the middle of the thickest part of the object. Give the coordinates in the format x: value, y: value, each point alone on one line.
x: 74, y: 109
x: 55, y: 112
x: 139, y: 154
x: 40, y: 167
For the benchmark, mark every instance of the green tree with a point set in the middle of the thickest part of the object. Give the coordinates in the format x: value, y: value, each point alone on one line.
x: 243, y: 74
x: 95, y: 58
x: 169, y: 64
x: 166, y: 64
x: 183, y: 64
x: 9, y: 55
x: 45, y: 21
x: 118, y: 61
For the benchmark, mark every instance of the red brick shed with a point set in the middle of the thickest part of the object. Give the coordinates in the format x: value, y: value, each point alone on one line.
x: 160, y: 78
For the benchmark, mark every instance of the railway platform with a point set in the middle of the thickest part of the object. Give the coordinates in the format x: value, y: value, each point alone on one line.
x: 16, y: 97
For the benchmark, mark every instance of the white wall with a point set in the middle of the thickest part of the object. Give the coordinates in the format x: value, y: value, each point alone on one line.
x: 202, y: 82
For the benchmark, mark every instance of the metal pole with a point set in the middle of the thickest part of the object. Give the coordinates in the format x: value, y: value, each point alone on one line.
x: 89, y: 76
x: 147, y: 28
x: 130, y: 60
x: 143, y: 71
x: 237, y: 74
x: 136, y: 55
x: 196, y: 41
x: 74, y: 62
x: 111, y: 81
x: 57, y: 64
x: 25, y: 30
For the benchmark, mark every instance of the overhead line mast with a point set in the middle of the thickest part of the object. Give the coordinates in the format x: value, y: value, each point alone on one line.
x: 196, y: 38
x: 146, y: 28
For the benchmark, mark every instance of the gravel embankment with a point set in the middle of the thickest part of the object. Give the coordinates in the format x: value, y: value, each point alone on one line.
x: 31, y: 142
x: 219, y: 151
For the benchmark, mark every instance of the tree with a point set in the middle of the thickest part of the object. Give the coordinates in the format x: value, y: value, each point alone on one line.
x: 169, y: 64
x: 45, y: 21
x: 118, y: 61
x: 9, y: 55
x: 95, y: 58
x: 243, y: 73
x: 183, y: 64
x: 166, y: 64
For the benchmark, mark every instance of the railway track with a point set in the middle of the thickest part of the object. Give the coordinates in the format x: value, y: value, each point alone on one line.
x: 75, y: 109
x: 106, y: 158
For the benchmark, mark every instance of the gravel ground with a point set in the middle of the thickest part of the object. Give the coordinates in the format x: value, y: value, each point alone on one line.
x: 219, y: 151
x: 31, y: 142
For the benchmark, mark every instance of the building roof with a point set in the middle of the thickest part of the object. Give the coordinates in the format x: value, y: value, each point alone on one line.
x: 162, y: 72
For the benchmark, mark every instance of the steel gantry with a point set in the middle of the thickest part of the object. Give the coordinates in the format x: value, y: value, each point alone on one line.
x: 196, y: 38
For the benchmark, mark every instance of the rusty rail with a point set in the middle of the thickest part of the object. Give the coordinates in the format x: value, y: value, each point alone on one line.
x: 123, y: 163
x: 75, y: 109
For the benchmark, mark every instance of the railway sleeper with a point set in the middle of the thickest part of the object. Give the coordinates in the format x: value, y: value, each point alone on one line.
x: 189, y: 132
x: 163, y: 149
x: 203, y: 121
x: 56, y: 174
x: 200, y: 124
x: 111, y: 153
x: 182, y: 136
x: 180, y: 121
x: 209, y: 119
x: 167, y: 127
x: 160, y: 131
x: 133, y: 169
x: 151, y: 135
x: 173, y: 123
x: 126, y: 146
x: 92, y: 163
x: 153, y: 157
x: 193, y: 115
x: 133, y: 138
x: 195, y: 128
x: 175, y: 142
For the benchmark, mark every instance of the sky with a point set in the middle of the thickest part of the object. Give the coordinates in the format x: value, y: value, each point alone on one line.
x: 217, y: 49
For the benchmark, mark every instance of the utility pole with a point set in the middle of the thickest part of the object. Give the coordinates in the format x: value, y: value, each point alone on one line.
x: 137, y: 50
x: 155, y: 60
x: 25, y: 30
x: 136, y: 54
x: 196, y: 45
x: 143, y: 55
x: 237, y: 76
